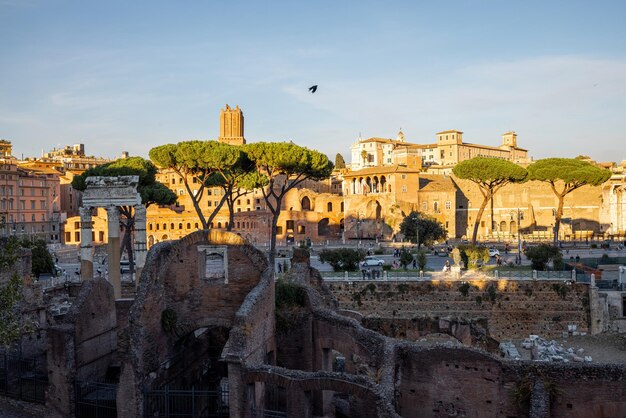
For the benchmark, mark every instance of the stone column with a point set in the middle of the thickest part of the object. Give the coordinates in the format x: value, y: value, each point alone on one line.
x: 86, y: 249
x: 113, y: 251
x: 140, y: 240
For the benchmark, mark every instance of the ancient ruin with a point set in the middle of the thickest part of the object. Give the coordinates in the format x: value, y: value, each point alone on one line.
x: 210, y: 333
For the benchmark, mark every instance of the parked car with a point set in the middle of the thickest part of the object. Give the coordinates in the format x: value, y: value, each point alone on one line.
x: 371, y: 261
x: 493, y: 252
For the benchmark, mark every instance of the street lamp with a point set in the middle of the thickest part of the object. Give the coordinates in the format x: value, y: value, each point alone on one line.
x: 520, y: 216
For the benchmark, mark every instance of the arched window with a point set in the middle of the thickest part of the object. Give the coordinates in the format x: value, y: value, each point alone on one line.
x: 341, y: 206
x: 238, y: 225
x: 219, y: 225
x: 164, y: 227
x: 306, y: 203
x: 196, y: 225
x: 180, y: 226
x: 188, y: 225
x: 150, y: 227
x: 329, y: 207
x: 172, y: 225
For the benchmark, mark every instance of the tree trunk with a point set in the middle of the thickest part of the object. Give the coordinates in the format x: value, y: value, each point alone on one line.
x: 231, y: 214
x: 557, y: 218
x: 480, y: 215
x: 275, y: 215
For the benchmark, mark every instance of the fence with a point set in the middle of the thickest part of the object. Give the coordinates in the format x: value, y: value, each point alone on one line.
x: 416, y: 275
x: 54, y: 282
x: 22, y: 378
x: 95, y: 399
x: 266, y: 413
x: 188, y: 403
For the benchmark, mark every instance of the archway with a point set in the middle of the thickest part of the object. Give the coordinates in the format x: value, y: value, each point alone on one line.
x: 306, y: 203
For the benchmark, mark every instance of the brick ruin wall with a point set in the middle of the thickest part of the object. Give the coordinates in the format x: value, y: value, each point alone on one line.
x: 511, y: 309
x: 444, y: 382
x: 439, y: 381
x: 171, y: 279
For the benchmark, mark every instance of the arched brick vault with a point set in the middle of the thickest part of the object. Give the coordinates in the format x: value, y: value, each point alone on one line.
x: 171, y: 279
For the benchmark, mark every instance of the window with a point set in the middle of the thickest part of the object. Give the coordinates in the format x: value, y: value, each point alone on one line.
x: 425, y: 206
x: 404, y: 177
x: 404, y: 188
x: 448, y: 204
x: 43, y: 204
x: 436, y: 207
x: 329, y: 207
x: 301, y: 229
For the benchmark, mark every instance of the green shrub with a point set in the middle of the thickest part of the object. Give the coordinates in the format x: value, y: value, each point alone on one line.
x: 289, y: 294
x: 342, y: 259
x: 561, y: 289
x: 464, y: 288
x: 492, y: 293
x: 540, y: 255
x: 421, y: 260
x: 169, y: 319
x: 406, y: 258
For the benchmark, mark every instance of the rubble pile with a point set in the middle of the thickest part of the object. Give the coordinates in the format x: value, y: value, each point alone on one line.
x: 544, y: 350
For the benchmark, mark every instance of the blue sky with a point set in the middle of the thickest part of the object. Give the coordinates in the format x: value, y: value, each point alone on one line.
x: 130, y: 75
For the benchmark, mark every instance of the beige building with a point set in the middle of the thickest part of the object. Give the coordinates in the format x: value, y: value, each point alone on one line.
x: 448, y: 150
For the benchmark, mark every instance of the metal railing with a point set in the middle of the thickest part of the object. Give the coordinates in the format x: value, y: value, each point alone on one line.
x: 22, y: 378
x: 266, y: 413
x: 95, y: 399
x: 417, y: 275
x: 186, y: 403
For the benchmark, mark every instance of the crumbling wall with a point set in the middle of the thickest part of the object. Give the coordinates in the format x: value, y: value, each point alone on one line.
x: 174, y: 281
x: 82, y: 346
x: 513, y: 309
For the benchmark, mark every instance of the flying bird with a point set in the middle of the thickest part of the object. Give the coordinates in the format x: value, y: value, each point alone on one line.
x: 313, y: 89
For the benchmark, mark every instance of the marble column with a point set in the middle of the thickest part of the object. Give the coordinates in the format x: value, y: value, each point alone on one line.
x: 86, y: 247
x: 140, y: 240
x: 113, y: 250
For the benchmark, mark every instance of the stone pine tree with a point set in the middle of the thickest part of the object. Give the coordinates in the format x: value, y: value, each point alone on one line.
x: 200, y: 165
x: 151, y: 191
x: 339, y: 162
x: 564, y: 176
x: 237, y: 182
x: 490, y: 174
x: 285, y: 166
x: 429, y: 228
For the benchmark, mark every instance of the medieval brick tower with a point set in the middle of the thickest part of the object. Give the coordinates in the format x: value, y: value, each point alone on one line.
x: 231, y: 126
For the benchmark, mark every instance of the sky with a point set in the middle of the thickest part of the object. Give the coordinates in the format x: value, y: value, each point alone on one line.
x: 130, y: 75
